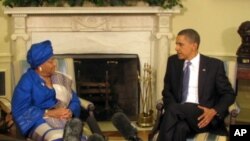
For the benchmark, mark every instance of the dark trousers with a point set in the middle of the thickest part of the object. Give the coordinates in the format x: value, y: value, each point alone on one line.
x: 179, y: 121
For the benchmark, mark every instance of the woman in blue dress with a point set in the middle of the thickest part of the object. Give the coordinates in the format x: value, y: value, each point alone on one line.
x: 43, y: 100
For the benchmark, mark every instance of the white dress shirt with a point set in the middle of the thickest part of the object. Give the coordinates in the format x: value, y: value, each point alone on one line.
x: 192, y: 96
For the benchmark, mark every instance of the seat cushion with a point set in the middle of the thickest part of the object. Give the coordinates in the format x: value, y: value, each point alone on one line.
x: 207, y: 137
x: 202, y: 137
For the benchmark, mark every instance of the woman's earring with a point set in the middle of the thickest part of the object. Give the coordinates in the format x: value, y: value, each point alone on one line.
x: 40, y: 68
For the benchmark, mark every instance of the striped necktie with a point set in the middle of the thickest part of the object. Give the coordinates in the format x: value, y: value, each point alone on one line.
x: 185, y: 82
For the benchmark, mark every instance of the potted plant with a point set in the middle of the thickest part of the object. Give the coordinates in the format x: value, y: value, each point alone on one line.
x: 167, y: 4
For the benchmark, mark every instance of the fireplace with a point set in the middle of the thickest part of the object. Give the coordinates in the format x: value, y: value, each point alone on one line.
x: 110, y: 81
x: 144, y: 31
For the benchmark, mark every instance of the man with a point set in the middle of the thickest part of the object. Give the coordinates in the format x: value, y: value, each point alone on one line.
x: 196, y: 94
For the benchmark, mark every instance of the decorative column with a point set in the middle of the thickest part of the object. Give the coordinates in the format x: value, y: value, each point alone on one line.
x: 19, y: 43
x: 163, y: 35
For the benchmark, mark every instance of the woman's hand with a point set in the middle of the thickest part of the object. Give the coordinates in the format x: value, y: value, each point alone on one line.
x: 62, y: 113
x: 67, y: 115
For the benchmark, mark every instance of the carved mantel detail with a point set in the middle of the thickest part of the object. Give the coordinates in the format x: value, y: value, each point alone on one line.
x: 19, y: 27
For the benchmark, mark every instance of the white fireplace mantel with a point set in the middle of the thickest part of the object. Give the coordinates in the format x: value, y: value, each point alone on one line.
x: 134, y: 30
x: 89, y: 10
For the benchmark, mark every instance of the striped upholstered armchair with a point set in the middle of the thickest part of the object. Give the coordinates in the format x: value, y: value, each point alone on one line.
x: 231, y: 119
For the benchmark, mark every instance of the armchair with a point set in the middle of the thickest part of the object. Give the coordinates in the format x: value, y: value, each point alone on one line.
x: 234, y: 110
x: 11, y: 129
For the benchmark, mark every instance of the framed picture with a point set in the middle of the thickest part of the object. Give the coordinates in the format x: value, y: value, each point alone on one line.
x: 2, y: 83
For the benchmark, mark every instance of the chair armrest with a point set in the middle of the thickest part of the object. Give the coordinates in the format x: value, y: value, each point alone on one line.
x: 234, y: 108
x: 234, y: 111
x: 91, y: 121
x: 10, y: 128
x: 5, y: 105
x: 159, y: 107
x: 87, y: 105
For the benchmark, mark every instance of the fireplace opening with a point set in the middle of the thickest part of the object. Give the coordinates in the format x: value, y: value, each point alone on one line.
x: 110, y: 81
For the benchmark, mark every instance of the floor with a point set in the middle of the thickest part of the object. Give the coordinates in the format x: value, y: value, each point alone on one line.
x: 116, y: 136
x: 113, y: 134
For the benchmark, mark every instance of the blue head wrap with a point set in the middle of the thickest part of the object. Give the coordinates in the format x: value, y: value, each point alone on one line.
x: 39, y: 53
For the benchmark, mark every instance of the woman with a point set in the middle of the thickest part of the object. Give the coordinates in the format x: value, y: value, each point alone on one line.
x: 43, y: 100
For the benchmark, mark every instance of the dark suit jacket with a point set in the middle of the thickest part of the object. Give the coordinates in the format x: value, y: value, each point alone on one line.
x: 214, y: 88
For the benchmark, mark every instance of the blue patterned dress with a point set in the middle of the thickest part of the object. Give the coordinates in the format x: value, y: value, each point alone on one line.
x: 30, y: 100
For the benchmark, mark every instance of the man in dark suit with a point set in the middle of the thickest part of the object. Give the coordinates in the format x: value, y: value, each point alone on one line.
x: 196, y: 94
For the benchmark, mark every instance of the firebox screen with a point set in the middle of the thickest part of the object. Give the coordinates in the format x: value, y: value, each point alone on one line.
x: 110, y: 83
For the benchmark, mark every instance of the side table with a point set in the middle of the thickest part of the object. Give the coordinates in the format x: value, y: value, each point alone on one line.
x: 243, y: 73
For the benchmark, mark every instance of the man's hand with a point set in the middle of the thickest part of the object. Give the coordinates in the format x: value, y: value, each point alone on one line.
x: 206, y: 117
